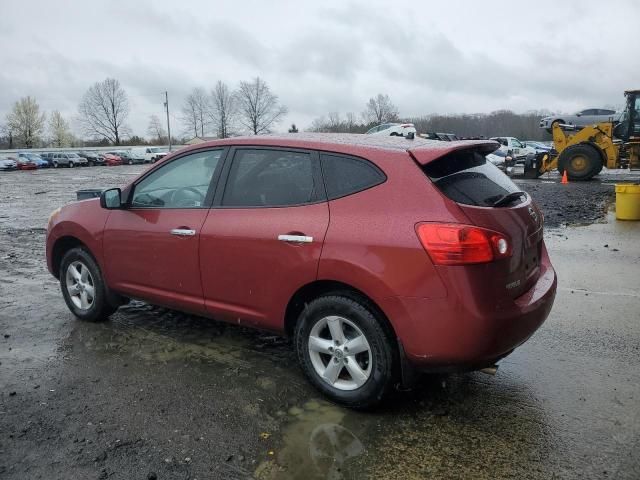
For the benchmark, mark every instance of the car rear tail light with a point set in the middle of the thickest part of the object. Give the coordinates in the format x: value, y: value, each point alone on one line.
x: 455, y: 244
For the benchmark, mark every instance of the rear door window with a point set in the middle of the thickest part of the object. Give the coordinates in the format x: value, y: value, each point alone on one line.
x: 271, y: 178
x: 346, y: 175
x: 467, y: 177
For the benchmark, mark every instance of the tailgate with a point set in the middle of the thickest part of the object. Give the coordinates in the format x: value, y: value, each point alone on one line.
x: 523, y: 225
x: 489, y: 199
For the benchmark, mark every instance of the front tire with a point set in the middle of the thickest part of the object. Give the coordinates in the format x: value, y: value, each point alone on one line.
x: 344, y: 351
x: 83, y: 287
x: 581, y: 162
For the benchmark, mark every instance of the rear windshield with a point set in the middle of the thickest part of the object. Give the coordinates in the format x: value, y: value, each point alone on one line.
x: 467, y: 177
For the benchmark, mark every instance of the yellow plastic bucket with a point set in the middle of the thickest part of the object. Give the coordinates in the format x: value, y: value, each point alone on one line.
x: 628, y: 202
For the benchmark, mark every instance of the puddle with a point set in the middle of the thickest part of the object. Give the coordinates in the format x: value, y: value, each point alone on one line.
x: 155, y: 334
x: 465, y: 425
x: 319, y: 441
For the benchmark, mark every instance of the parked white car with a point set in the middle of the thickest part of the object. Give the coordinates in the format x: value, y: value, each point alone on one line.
x: 7, y: 163
x: 514, y: 147
x: 393, y: 129
x: 539, y: 147
x: 148, y: 154
x: 498, y: 158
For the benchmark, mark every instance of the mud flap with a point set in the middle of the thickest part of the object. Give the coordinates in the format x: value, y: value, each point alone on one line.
x: 408, y: 373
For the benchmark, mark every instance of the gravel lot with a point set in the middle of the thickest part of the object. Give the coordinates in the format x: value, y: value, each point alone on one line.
x: 158, y: 394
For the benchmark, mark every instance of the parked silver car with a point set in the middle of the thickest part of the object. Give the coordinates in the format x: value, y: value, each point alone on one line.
x: 69, y: 160
x: 7, y: 163
x: 582, y: 118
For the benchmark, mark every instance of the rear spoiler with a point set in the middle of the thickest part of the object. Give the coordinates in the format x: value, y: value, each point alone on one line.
x: 424, y: 155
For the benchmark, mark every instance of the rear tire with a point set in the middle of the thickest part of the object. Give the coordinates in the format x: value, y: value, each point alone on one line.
x: 55, y: 164
x: 71, y: 165
x: 581, y: 162
x: 83, y: 287
x: 344, y: 351
x: 130, y: 162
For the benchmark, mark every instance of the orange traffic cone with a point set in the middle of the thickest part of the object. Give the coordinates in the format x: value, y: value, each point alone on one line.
x: 565, y: 180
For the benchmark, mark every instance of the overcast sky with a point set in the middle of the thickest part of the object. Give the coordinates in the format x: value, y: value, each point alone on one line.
x: 441, y: 57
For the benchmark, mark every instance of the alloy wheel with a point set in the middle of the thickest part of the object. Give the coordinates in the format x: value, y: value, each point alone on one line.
x: 340, y: 353
x: 80, y: 285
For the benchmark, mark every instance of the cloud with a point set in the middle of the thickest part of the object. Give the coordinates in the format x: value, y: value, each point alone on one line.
x: 456, y: 56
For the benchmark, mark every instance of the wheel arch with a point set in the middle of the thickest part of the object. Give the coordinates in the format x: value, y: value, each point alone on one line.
x: 601, y: 152
x: 317, y: 288
x: 61, y: 246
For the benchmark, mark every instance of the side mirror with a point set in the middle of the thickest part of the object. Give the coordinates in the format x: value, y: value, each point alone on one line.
x: 111, y: 199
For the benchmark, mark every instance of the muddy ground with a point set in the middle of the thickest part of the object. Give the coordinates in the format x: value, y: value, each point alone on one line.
x: 157, y: 394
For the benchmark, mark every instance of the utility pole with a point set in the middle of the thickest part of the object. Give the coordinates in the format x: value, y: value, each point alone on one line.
x: 166, y: 106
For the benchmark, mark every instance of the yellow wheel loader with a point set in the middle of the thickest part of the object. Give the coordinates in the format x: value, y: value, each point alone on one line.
x: 583, y: 151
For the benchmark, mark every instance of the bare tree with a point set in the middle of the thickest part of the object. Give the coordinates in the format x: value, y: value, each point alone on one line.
x: 25, y: 122
x: 350, y: 123
x: 155, y: 129
x: 258, y: 108
x: 59, y: 132
x: 318, y: 125
x: 224, y: 110
x: 335, y: 122
x: 196, y: 111
x: 379, y: 109
x: 337, y: 125
x: 104, y: 110
x: 190, y: 115
x: 6, y: 136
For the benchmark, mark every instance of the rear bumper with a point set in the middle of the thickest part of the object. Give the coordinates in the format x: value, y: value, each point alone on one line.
x: 461, y: 333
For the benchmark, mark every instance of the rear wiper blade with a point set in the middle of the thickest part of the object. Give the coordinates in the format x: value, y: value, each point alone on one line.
x: 508, y: 198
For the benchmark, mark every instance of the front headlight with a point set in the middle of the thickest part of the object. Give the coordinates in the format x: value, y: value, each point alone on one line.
x: 52, y: 217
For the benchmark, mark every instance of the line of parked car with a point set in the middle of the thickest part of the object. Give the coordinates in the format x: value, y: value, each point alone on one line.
x: 69, y: 159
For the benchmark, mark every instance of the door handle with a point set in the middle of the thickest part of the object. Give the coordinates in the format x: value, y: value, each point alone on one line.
x: 295, y: 238
x: 183, y: 232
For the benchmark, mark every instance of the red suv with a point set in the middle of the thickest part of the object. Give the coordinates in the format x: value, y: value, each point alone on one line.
x: 379, y: 256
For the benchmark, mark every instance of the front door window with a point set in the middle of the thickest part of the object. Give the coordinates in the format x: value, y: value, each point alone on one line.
x: 182, y: 183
